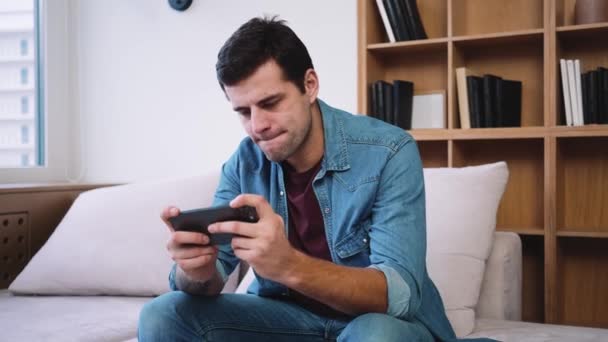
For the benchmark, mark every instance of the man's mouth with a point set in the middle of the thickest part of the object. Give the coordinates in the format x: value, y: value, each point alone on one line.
x: 268, y: 138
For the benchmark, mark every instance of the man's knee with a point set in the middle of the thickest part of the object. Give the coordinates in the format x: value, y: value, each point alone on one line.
x: 160, y: 311
x: 166, y: 316
x: 382, y: 327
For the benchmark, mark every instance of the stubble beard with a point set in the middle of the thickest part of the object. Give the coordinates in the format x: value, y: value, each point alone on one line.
x: 294, y: 144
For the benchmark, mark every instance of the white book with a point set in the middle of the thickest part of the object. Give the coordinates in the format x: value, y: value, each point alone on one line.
x: 566, y: 92
x: 576, y: 118
x: 387, y: 24
x: 579, y: 90
x: 463, y: 98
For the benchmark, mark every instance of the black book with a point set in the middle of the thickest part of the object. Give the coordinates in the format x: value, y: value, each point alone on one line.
x: 509, y: 100
x: 389, y: 104
x: 490, y: 100
x: 592, y: 89
x: 385, y: 101
x: 396, y: 19
x: 474, y: 89
x: 374, y: 100
x: 585, y: 96
x: 403, y: 97
x: 413, y: 20
x: 603, y: 72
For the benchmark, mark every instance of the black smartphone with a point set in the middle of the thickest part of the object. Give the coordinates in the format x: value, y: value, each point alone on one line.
x: 198, y: 220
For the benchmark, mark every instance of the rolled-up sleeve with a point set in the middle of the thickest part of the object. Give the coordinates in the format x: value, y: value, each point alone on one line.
x: 398, y: 233
x: 399, y: 293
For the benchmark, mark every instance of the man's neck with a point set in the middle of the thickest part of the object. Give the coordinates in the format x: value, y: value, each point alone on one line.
x: 314, y: 146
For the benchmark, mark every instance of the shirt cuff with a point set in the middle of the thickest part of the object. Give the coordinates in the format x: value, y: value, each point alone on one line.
x: 220, y: 269
x: 399, y: 292
x: 172, y: 284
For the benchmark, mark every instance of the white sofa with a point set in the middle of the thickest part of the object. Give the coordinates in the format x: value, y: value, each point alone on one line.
x: 107, y: 258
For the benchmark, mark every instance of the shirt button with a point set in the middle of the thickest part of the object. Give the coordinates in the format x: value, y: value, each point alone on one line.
x: 364, y: 240
x: 281, y: 193
x: 327, y: 210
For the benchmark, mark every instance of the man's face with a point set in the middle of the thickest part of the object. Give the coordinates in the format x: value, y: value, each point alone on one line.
x: 274, y: 112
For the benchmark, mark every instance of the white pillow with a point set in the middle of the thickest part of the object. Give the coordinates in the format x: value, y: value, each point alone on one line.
x: 112, y: 241
x: 461, y: 206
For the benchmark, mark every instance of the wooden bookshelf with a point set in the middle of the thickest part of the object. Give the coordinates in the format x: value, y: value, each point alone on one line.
x: 557, y: 195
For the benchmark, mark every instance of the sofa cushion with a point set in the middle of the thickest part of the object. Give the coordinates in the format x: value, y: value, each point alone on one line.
x: 461, y: 206
x: 69, y: 318
x: 512, y: 331
x: 112, y: 241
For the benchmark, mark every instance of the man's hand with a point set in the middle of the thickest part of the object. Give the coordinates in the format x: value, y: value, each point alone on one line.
x: 190, y: 250
x: 264, y: 244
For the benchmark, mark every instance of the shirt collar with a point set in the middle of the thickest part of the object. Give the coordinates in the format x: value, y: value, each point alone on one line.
x: 336, y: 151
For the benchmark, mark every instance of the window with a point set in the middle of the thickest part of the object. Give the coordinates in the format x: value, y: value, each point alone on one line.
x: 25, y: 159
x: 24, y: 47
x: 25, y: 105
x: 25, y: 135
x: 24, y: 76
x: 22, y: 92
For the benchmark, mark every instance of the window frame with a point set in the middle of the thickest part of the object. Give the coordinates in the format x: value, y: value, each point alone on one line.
x: 53, y: 82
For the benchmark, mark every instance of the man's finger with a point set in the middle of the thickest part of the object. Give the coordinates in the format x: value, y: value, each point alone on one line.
x: 262, y: 207
x: 242, y: 243
x: 233, y: 227
x: 194, y: 263
x: 191, y: 252
x: 244, y: 254
x: 194, y: 238
x: 167, y: 213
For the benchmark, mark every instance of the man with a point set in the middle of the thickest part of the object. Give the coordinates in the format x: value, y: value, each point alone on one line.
x: 339, y: 248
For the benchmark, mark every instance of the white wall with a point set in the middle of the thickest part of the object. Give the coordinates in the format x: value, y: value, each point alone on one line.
x: 148, y: 97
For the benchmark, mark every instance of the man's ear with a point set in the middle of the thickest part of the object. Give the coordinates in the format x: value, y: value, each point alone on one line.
x: 311, y: 85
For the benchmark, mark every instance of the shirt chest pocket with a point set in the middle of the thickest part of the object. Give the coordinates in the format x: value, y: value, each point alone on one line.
x: 353, y: 248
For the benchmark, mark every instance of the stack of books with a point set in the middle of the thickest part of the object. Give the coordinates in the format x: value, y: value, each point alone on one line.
x: 585, y: 95
x: 488, y: 100
x: 401, y: 20
x: 392, y: 103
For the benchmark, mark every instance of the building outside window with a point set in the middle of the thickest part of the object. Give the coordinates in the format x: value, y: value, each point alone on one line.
x: 25, y: 105
x: 24, y: 47
x: 25, y: 159
x: 24, y: 76
x: 25, y: 135
x: 20, y: 90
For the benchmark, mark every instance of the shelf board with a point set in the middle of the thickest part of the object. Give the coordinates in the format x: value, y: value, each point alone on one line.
x: 576, y: 33
x: 484, y: 40
x: 585, y: 234
x: 430, y: 134
x: 420, y: 45
x: 580, y: 131
x: 584, y: 27
x: 520, y: 231
x: 498, y: 133
x: 510, y: 133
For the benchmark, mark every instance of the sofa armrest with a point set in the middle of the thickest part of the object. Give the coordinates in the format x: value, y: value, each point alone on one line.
x: 500, y: 296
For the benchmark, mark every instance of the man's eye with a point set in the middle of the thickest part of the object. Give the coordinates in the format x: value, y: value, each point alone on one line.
x: 269, y: 105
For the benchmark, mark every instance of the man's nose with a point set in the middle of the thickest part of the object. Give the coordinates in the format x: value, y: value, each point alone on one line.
x: 259, y: 121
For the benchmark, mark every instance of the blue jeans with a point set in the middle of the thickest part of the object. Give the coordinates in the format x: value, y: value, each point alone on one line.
x: 178, y: 316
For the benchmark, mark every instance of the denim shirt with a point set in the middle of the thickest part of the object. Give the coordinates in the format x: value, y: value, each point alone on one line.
x: 370, y: 190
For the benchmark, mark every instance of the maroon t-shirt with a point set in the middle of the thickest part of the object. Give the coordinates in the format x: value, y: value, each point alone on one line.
x: 306, y: 227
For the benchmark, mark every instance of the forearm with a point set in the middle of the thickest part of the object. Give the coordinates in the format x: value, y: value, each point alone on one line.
x: 210, y: 287
x: 351, y: 290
